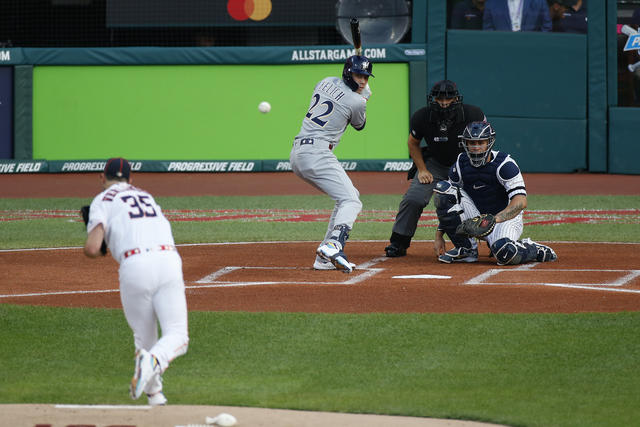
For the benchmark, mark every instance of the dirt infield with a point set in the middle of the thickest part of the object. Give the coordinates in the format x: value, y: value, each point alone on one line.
x: 195, y: 416
x: 239, y: 277
x: 264, y: 183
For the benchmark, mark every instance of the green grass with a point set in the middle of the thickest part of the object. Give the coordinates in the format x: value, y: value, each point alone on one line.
x: 63, y: 232
x: 516, y: 369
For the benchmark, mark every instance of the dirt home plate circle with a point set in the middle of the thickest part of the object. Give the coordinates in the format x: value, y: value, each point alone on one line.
x: 256, y: 10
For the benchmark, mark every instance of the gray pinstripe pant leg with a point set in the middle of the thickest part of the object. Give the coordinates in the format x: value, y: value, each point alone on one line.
x: 416, y: 198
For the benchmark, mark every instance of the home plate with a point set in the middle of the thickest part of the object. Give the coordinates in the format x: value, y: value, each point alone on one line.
x: 422, y: 276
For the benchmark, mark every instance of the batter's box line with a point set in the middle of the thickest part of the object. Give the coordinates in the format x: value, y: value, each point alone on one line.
x: 211, y: 281
x: 614, y: 286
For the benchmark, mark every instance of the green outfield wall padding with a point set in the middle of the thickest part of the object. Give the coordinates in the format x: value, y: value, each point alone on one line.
x: 207, y: 112
x: 535, y: 75
x: 418, y: 85
x: 436, y: 41
x: 22, y: 112
x: 176, y: 166
x: 209, y: 55
x: 419, y: 22
x: 543, y: 145
x: 612, y: 54
x: 623, y: 140
x: 597, y: 40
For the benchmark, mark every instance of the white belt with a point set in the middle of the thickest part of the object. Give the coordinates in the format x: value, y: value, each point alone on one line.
x: 136, y: 251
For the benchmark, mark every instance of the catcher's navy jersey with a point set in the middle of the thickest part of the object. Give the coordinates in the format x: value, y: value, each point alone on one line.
x: 492, y: 185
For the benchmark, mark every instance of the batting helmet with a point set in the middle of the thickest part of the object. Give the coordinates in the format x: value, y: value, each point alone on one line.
x: 478, y: 131
x: 359, y: 65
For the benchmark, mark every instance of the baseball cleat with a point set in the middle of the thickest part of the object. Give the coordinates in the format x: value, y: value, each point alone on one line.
x: 332, y: 252
x: 543, y: 253
x: 147, y: 367
x: 322, y: 264
x: 394, y: 251
x: 459, y: 255
x: 156, y: 399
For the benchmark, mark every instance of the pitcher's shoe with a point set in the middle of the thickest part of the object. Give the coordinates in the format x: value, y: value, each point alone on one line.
x: 147, y: 367
x: 544, y: 253
x: 156, y: 399
x: 322, y: 264
x: 332, y: 252
x: 459, y: 255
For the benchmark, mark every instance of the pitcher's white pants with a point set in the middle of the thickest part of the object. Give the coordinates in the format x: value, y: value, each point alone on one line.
x: 152, y: 291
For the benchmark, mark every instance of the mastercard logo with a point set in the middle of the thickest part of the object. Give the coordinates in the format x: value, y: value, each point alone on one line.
x: 256, y: 10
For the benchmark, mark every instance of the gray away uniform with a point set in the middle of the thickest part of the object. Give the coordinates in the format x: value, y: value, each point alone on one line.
x: 333, y: 107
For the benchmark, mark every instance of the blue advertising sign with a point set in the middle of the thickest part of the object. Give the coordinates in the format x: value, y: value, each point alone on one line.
x: 633, y: 42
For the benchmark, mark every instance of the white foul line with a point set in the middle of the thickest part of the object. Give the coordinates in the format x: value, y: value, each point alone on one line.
x: 482, y: 279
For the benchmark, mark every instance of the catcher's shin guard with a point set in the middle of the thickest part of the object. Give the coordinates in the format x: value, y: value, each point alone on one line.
x: 508, y: 252
x: 446, y: 199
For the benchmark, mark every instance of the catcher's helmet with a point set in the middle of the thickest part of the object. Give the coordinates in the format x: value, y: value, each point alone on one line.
x: 444, y: 89
x: 478, y: 131
x: 359, y: 65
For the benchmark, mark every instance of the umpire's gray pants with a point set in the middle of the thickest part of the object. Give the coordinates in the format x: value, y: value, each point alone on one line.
x: 416, y: 198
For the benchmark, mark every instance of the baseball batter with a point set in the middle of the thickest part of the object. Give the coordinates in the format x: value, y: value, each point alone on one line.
x: 485, y: 181
x: 335, y: 103
x: 152, y: 289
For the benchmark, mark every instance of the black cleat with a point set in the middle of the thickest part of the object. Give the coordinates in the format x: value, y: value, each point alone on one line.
x: 394, y: 251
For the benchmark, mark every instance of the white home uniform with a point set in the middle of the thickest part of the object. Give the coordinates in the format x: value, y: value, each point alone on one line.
x: 333, y: 107
x: 151, y: 282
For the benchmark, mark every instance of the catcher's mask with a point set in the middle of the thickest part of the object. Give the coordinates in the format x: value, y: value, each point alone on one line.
x: 359, y: 65
x: 473, y: 134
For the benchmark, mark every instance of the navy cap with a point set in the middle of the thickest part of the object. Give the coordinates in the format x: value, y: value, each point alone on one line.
x: 117, y: 167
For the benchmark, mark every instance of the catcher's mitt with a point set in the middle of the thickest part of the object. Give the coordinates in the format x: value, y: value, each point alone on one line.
x: 84, y: 211
x: 478, y: 226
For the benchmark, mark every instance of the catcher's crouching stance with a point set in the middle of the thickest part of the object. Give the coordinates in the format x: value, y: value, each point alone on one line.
x: 483, y: 200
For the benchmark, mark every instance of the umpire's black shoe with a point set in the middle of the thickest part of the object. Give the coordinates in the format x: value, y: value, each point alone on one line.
x: 394, y: 251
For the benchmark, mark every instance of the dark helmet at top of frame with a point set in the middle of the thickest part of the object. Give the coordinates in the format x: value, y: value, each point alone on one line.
x: 478, y: 131
x: 359, y: 65
x: 445, y: 89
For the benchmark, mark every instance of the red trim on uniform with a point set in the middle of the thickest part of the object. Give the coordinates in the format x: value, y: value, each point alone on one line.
x: 136, y: 251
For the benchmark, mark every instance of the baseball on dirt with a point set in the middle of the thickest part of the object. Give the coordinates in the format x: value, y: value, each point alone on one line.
x: 264, y: 107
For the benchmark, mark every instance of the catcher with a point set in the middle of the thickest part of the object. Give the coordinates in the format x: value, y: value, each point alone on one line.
x: 483, y: 200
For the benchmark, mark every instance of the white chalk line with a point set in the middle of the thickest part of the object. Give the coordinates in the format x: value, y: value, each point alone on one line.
x: 142, y: 407
x: 613, y: 286
x: 211, y: 281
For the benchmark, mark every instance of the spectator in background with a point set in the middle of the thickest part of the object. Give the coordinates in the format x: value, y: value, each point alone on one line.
x: 467, y: 15
x: 575, y: 18
x: 557, y: 11
x: 516, y: 15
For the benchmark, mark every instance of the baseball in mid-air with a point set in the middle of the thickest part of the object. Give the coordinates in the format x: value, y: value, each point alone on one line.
x: 264, y: 107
